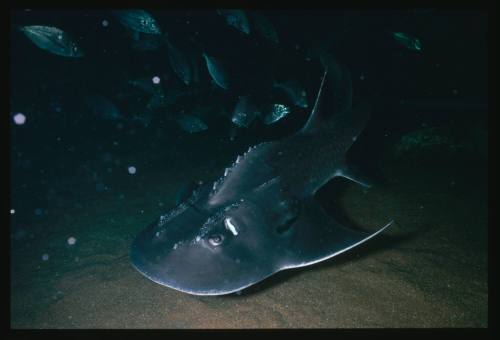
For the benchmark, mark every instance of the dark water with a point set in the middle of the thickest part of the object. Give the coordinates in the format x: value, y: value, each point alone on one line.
x: 76, y: 175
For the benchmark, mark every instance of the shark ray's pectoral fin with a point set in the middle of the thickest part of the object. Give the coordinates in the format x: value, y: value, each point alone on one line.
x: 352, y: 173
x: 316, y: 237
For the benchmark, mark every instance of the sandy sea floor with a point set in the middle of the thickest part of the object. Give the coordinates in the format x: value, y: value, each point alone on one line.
x: 428, y: 270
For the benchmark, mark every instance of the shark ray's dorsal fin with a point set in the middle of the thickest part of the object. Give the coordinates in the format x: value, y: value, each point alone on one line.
x: 334, y: 96
x: 317, y: 113
x: 352, y: 173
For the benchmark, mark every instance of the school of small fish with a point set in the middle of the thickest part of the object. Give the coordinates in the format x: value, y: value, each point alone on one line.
x: 146, y: 34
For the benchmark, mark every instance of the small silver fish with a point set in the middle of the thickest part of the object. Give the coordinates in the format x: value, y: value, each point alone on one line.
x: 236, y: 18
x: 53, y: 39
x: 190, y: 123
x: 103, y: 107
x: 245, y: 111
x: 278, y: 111
x: 408, y: 41
x: 179, y: 63
x: 138, y: 20
x: 295, y: 92
x: 217, y: 71
x: 265, y: 28
x: 146, y: 42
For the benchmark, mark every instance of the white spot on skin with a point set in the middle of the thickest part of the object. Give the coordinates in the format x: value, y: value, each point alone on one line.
x: 230, y: 226
x: 19, y: 119
x: 71, y: 241
x: 132, y: 170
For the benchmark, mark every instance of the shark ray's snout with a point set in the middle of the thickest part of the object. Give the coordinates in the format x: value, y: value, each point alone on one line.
x: 204, y: 254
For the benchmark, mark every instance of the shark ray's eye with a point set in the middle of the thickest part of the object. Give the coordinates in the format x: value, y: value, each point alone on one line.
x: 215, y: 240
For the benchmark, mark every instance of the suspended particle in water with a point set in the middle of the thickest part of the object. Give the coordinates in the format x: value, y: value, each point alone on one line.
x: 19, y: 118
x: 132, y: 170
x: 12, y: 211
x: 105, y: 23
x: 71, y: 240
x: 156, y: 80
x: 45, y: 257
x: 38, y: 211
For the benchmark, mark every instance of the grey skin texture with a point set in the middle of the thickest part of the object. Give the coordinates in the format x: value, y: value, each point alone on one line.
x: 261, y: 216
